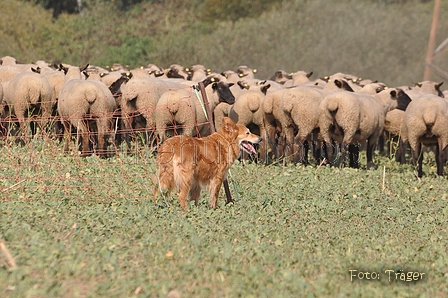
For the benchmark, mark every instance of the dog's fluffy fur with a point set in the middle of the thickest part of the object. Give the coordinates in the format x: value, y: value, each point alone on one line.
x: 189, y: 164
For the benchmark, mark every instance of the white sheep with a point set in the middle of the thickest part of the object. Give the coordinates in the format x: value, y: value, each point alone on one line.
x: 350, y: 118
x: 182, y: 108
x: 29, y: 94
x: 83, y: 103
x: 246, y: 72
x: 248, y: 111
x: 393, y: 125
x: 426, y: 122
x: 139, y: 101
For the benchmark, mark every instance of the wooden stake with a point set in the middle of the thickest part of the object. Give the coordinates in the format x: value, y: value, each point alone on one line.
x: 212, y: 130
x: 432, y: 40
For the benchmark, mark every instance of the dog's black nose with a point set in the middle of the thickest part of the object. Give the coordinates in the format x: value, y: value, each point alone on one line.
x: 260, y: 139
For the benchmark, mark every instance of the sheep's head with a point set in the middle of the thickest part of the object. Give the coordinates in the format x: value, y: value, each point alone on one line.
x: 342, y: 84
x: 403, y: 100
x: 224, y: 93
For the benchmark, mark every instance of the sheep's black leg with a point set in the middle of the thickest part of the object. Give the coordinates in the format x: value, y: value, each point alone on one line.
x: 369, y: 152
x: 344, y: 149
x: 401, y: 153
x: 418, y: 158
x: 353, y: 151
x: 439, y: 158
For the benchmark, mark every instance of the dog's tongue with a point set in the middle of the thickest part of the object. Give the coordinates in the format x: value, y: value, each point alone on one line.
x: 249, y: 147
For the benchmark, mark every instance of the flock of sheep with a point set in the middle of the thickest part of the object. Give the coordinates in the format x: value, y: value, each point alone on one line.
x: 337, y: 113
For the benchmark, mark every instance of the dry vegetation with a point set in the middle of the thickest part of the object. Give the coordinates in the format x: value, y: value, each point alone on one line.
x: 372, y: 39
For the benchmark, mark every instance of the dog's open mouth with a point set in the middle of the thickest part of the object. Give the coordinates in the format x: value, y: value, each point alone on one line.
x: 247, y: 146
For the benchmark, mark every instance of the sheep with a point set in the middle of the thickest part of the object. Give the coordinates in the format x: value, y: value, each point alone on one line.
x: 183, y: 108
x: 8, y: 60
x: 283, y: 110
x: 393, y: 125
x: 197, y: 72
x: 176, y: 71
x: 281, y: 76
x: 72, y: 72
x: 248, y: 111
x: 83, y: 103
x: 426, y: 122
x: 28, y: 94
x: 294, y: 79
x: 246, y: 72
x: 350, y: 117
x: 139, y: 100
x: 429, y: 87
x: 231, y: 76
x: 154, y: 70
x: 8, y: 72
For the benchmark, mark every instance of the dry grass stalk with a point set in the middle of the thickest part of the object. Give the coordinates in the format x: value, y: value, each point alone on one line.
x: 10, y: 263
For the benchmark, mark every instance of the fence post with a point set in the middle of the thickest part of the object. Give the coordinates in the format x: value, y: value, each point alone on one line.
x: 212, y: 130
x: 432, y: 40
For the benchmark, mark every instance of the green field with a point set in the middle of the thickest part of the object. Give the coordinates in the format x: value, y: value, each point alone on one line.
x: 88, y: 228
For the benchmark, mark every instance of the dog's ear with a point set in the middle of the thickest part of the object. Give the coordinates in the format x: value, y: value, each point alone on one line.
x: 228, y: 125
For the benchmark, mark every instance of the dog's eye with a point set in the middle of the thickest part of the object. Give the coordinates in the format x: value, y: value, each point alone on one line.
x: 248, y: 132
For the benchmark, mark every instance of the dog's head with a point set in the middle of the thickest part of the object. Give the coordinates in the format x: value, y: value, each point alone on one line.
x: 241, y: 134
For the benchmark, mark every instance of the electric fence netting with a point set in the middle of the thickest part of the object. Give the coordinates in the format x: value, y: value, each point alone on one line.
x: 42, y: 158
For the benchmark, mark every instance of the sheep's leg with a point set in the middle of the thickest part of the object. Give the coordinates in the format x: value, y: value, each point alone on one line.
x: 298, y: 150
x: 353, y: 151
x: 263, y: 146
x: 418, y: 159
x: 280, y: 152
x: 271, y: 132
x: 85, y: 141
x: 289, y: 144
x: 24, y: 129
x: 401, y: 152
x: 102, y: 128
x: 329, y: 151
x: 344, y: 149
x: 67, y: 126
x: 439, y: 157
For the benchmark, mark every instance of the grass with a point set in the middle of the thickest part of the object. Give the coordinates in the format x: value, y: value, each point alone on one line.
x: 89, y: 228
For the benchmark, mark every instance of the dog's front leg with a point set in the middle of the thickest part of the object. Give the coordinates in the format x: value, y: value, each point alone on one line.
x: 215, y: 186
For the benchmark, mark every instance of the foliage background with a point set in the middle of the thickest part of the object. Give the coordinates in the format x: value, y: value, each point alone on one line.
x: 384, y: 40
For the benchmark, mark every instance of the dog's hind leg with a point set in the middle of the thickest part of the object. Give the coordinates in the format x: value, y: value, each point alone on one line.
x: 195, y: 191
x: 183, y: 181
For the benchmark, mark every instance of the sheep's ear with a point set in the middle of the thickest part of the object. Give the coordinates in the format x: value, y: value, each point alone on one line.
x: 326, y: 79
x: 265, y: 88
x: 241, y: 84
x: 207, y: 81
x: 215, y: 86
x: 84, y: 67
x: 309, y: 74
x: 338, y: 83
x: 343, y: 85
